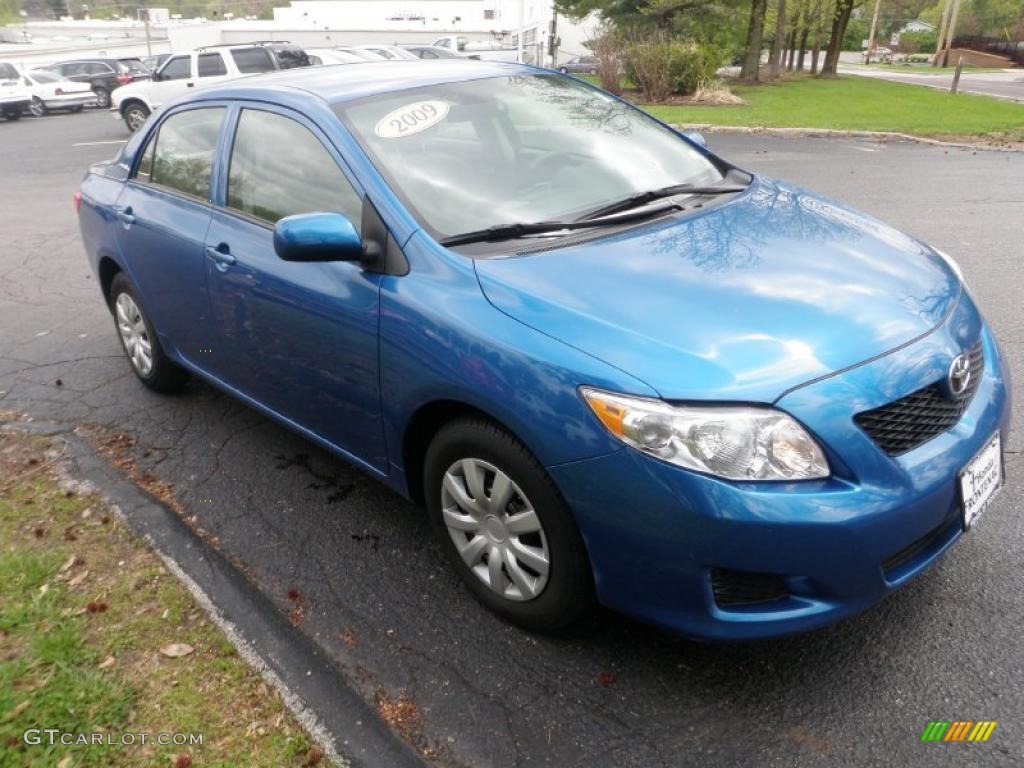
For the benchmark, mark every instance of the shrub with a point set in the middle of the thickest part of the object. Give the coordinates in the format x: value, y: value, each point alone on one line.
x: 661, y: 65
x: 607, y: 47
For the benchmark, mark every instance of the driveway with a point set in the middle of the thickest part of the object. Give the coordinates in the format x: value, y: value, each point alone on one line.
x: 1007, y: 84
x: 369, y: 584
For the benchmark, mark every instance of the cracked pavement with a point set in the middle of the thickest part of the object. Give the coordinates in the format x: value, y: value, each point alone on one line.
x: 378, y: 597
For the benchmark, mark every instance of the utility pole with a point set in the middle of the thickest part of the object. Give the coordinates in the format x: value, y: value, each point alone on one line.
x: 871, y: 35
x: 942, y: 32
x: 951, y: 32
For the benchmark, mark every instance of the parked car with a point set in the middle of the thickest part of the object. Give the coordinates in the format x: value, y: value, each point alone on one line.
x: 361, y: 53
x: 50, y: 93
x: 390, y: 52
x: 318, y: 56
x: 430, y: 52
x: 490, y: 50
x: 14, y: 93
x: 102, y: 75
x: 201, y: 68
x: 612, y: 365
x: 579, y: 65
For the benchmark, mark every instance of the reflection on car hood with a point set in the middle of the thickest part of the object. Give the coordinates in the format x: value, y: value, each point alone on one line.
x: 740, y: 302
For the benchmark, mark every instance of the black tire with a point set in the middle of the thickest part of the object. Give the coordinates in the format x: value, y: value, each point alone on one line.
x: 77, y: 109
x: 164, y: 376
x: 102, y: 97
x: 563, y: 70
x: 569, y: 591
x: 37, y: 108
x: 135, y: 115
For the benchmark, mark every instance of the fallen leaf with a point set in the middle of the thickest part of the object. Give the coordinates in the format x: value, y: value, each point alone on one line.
x: 313, y: 757
x: 182, y: 761
x: 604, y: 679
x: 107, y: 663
x: 21, y: 708
x: 175, y: 650
x: 70, y: 562
x: 44, y: 589
x: 76, y: 580
x: 66, y: 762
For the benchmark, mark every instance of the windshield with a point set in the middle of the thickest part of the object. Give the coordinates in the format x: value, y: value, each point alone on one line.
x: 8, y: 72
x: 473, y: 154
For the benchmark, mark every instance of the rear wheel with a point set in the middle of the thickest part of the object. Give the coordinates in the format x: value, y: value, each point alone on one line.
x: 140, y: 342
x: 505, y: 527
x: 135, y: 115
x: 102, y: 97
x: 36, y: 107
x: 77, y: 109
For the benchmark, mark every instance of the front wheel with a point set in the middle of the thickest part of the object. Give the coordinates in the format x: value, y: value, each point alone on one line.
x: 102, y: 97
x: 36, y: 107
x: 134, y: 116
x: 505, y: 527
x: 142, y: 346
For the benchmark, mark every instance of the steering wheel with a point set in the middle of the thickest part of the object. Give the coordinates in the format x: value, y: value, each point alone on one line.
x: 539, y: 172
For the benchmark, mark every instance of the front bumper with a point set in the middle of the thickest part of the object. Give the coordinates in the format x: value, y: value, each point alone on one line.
x: 655, y: 531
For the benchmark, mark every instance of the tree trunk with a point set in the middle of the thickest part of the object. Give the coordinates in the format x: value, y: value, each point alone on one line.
x: 803, y: 49
x: 839, y: 22
x: 814, y: 55
x: 775, y: 60
x: 791, y: 46
x: 755, y: 33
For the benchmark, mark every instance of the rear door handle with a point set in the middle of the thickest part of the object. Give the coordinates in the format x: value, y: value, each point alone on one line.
x: 221, y: 255
x: 125, y: 215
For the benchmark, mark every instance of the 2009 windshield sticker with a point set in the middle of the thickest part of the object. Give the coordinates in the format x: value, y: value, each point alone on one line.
x: 410, y: 119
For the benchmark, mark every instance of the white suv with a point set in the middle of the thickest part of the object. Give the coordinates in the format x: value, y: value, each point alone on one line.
x: 202, y: 67
x: 14, y: 94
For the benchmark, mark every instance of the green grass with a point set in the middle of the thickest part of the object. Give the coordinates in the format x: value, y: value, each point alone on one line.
x: 858, y: 103
x: 85, y: 671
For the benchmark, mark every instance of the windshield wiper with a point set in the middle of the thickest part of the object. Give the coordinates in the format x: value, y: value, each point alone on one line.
x: 650, y: 195
x: 521, y: 229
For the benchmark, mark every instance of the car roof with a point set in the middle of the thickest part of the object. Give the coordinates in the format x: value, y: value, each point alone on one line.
x: 336, y: 84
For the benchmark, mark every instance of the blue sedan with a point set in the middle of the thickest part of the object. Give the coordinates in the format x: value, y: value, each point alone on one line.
x: 611, y: 365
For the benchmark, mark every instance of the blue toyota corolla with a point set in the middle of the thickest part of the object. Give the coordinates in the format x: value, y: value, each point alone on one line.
x: 609, y: 363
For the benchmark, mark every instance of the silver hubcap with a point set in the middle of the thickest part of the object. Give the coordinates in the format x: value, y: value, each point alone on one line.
x: 134, y: 335
x: 495, y: 529
x: 36, y: 108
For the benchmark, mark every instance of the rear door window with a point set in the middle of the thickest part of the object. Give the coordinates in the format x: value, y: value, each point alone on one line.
x: 183, y: 151
x: 249, y: 60
x: 211, y: 65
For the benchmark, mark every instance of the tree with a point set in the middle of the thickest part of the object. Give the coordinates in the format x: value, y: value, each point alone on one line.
x: 840, y: 20
x: 755, y: 35
x: 775, y: 60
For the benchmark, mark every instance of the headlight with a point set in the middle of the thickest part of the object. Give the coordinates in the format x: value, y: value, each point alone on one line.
x: 734, y: 442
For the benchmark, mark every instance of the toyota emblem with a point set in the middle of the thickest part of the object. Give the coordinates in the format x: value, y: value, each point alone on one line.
x: 959, y: 375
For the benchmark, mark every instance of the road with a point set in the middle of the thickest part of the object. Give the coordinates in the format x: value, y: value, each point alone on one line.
x: 380, y: 600
x: 1008, y: 84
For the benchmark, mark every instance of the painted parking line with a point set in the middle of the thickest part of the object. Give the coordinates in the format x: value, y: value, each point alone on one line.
x: 94, y: 143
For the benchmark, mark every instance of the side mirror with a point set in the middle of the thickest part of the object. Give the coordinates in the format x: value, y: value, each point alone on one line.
x: 317, y: 237
x: 696, y: 137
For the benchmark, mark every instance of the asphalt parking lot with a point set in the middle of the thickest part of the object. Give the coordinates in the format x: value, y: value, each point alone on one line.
x: 380, y: 600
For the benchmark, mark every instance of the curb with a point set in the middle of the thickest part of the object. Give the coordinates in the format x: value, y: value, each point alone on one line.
x: 312, y: 687
x: 832, y: 133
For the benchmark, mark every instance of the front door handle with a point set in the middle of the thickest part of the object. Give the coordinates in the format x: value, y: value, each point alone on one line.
x: 189, y: 85
x: 221, y: 255
x: 125, y: 215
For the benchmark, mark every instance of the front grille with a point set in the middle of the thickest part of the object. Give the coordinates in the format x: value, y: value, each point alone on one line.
x: 904, y: 424
x: 743, y: 587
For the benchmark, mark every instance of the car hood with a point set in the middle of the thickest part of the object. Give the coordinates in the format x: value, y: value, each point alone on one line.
x: 743, y: 301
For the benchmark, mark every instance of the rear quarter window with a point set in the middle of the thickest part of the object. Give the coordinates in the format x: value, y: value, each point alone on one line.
x: 250, y: 60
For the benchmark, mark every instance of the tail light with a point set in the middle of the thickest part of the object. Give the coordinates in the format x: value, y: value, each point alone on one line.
x: 58, y: 92
x: 76, y: 200
x: 124, y: 79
